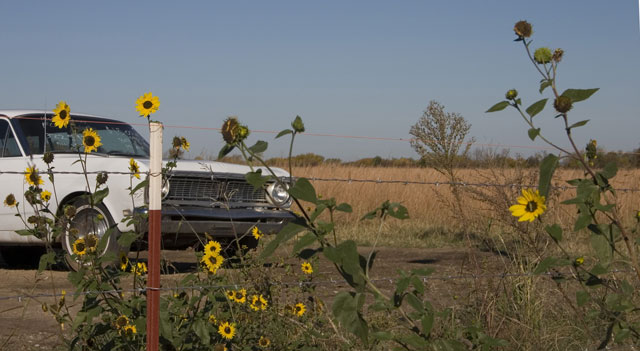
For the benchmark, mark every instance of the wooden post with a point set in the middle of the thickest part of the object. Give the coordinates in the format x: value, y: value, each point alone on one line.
x: 155, y: 233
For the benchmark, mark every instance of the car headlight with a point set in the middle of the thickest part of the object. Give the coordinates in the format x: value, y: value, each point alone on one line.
x: 164, y: 191
x: 278, y: 194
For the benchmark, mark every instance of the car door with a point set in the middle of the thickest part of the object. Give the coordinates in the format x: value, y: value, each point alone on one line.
x: 12, y: 163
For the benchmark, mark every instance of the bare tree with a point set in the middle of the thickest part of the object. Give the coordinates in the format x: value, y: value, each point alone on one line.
x: 439, y: 139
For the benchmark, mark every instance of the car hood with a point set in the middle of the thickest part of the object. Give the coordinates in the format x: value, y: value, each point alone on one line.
x: 216, y: 167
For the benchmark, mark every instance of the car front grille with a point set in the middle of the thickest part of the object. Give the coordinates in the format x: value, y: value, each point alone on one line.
x: 213, y: 190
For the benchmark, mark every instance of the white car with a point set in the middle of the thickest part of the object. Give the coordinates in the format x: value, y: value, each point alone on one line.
x: 199, y: 197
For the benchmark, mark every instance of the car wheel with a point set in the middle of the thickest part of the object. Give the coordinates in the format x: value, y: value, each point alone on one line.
x: 89, y: 220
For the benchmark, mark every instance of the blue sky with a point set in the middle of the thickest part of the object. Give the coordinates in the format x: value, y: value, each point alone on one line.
x: 364, y: 68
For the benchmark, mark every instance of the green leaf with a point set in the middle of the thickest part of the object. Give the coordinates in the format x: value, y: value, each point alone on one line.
x: 533, y: 133
x: 584, y: 219
x: 201, y: 330
x: 578, y: 124
x: 602, y: 249
x: 550, y: 262
x: 256, y: 179
x: 140, y: 185
x: 284, y: 132
x: 305, y: 241
x: 286, y: 233
x: 414, y: 302
x: 46, y: 260
x: 345, y: 309
x: 555, y: 231
x: 225, y: 150
x: 344, y: 207
x: 99, y: 195
x: 382, y: 335
x: 303, y: 190
x: 610, y: 170
x: 577, y: 95
x: 398, y: 211
x: 547, y: 167
x: 259, y: 147
x: 499, y: 106
x: 544, y: 84
x: 536, y: 107
x: 427, y: 323
x: 582, y: 297
x: 24, y: 232
x: 127, y: 238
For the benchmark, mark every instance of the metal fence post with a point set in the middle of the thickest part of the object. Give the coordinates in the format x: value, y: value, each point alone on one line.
x: 155, y: 206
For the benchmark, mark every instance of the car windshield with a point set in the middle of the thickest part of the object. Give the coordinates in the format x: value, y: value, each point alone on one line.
x: 117, y: 138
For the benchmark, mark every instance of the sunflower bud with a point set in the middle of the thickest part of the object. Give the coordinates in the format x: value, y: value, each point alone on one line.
x: 557, y: 55
x: 511, y: 94
x: 70, y: 211
x: 45, y: 308
x: 31, y: 197
x: 101, y: 178
x: 523, y: 29
x: 579, y: 261
x: 298, y: 125
x: 591, y: 150
x: 177, y: 142
x: 48, y: 157
x: 563, y: 104
x: 542, y: 55
x: 230, y: 130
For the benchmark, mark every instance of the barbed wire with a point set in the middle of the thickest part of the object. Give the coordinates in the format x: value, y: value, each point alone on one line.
x: 330, y: 282
x: 332, y: 135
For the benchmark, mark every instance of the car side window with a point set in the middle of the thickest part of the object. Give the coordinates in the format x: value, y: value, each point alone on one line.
x: 8, y: 144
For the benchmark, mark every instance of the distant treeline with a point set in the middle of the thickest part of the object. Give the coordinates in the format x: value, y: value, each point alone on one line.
x: 480, y: 158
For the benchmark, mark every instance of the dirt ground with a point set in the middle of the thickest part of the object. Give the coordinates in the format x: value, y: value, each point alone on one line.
x: 24, y: 325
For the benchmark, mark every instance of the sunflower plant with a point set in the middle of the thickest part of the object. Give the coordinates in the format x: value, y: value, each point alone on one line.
x: 606, y: 305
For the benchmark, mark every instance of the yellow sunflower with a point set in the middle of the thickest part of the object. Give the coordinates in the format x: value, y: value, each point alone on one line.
x: 256, y: 233
x: 10, y: 200
x: 212, y: 319
x: 79, y: 247
x: 306, y: 267
x: 264, y: 342
x: 32, y: 176
x: 299, y: 309
x: 230, y: 295
x: 121, y: 322
x: 240, y: 296
x: 212, y: 262
x: 124, y: 261
x: 227, y: 330
x: 185, y: 144
x: 139, y: 269
x: 90, y: 140
x: 530, y: 205
x: 62, y: 115
x: 91, y: 242
x: 134, y: 168
x: 258, y: 303
x: 45, y: 195
x: 130, y: 330
x: 212, y: 247
x: 147, y: 104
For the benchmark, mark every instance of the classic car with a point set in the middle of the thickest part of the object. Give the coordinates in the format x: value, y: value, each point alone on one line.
x: 199, y: 197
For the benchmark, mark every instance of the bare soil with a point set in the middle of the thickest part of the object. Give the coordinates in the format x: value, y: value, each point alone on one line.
x: 24, y: 325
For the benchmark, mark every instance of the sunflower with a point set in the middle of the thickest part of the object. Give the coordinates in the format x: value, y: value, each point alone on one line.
x: 79, y: 247
x: 134, y: 168
x: 147, y: 104
x: 124, y: 261
x: 212, y: 247
x: 230, y: 295
x: 185, y: 144
x: 139, y: 269
x: 212, y: 262
x: 62, y: 115
x: 258, y: 303
x: 91, y: 242
x: 306, y: 267
x: 264, y: 342
x: 227, y: 330
x: 90, y: 140
x: 32, y: 176
x: 45, y: 195
x: 121, y: 322
x: 299, y: 309
x: 10, y: 200
x: 530, y: 205
x: 240, y: 296
x: 256, y: 233
x: 129, y: 330
x: 212, y: 319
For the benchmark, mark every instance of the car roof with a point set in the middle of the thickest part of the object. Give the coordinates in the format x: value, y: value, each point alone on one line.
x: 16, y: 113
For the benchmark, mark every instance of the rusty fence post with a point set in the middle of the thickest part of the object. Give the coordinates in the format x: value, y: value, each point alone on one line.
x: 155, y: 207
